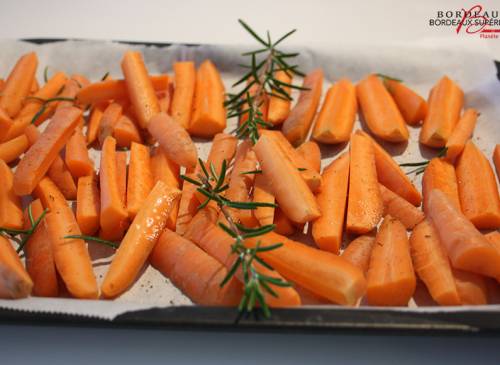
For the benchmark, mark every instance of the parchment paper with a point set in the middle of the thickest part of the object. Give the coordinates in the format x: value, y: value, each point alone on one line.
x: 419, y: 65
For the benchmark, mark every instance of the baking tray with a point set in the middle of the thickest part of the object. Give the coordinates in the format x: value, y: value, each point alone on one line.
x: 315, y: 319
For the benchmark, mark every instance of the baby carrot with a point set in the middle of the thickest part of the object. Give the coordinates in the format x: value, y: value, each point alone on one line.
x: 5, y: 123
x: 311, y: 153
x: 35, y: 86
x: 477, y: 188
x: 15, y: 281
x: 359, y: 251
x: 125, y: 132
x: 461, y: 134
x: 332, y: 201
x: 223, y: 148
x: 61, y: 176
x: 77, y: 155
x: 412, y: 106
x: 472, y: 288
x: 139, y: 240
x: 11, y: 150
x: 444, y: 106
x: 108, y: 120
x: 337, y: 115
x: 440, y: 174
x: 400, y: 209
x: 185, y: 82
x: 94, y: 123
x: 279, y: 108
x: 121, y: 173
x: 297, y: 125
x: 11, y: 214
x: 88, y: 205
x: 140, y: 178
x: 496, y: 159
x: 262, y: 193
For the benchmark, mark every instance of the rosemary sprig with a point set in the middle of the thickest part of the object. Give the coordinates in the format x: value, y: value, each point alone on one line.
x: 46, y: 74
x: 421, y: 165
x: 45, y: 103
x: 93, y: 239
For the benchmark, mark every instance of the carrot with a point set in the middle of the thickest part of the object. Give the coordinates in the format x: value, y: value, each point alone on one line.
x: 193, y: 271
x: 290, y: 190
x: 477, y: 188
x: 11, y: 150
x: 365, y: 206
x: 284, y: 226
x: 165, y: 98
x: 188, y: 204
x: 467, y: 248
x: 262, y: 107
x: 11, y: 214
x: 461, y: 134
x: 108, y: 121
x: 311, y: 153
x: 5, y: 123
x: 18, y: 84
x: 279, y: 108
x: 380, y: 112
x: 77, y: 156
x: 412, y: 106
x: 94, y: 123
x: 2, y: 84
x: 332, y: 201
x: 70, y: 254
x: 262, y: 193
x: 125, y: 132
x: 61, y: 176
x: 494, y: 238
x: 337, y: 115
x: 174, y: 140
x: 223, y: 148
x: 444, y: 105
x: 209, y: 115
x: 88, y: 205
x: 185, y: 82
x: 440, y: 174
x: 140, y: 178
x: 400, y: 209
x: 139, y: 88
x: 139, y: 240
x: 297, y: 125
x: 358, y: 252
x: 472, y: 288
x: 432, y: 264
x: 40, y: 156
x: 391, y: 279
x: 496, y: 159
x: 15, y: 281
x: 32, y: 133
x: 35, y: 86
x: 39, y: 256
x: 121, y: 172
x: 70, y: 90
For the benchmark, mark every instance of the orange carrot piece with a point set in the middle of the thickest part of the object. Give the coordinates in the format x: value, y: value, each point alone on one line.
x: 2, y: 84
x: 32, y: 133
x: 174, y: 140
x: 139, y: 240
x: 94, y: 124
x: 365, y: 206
x: 61, y: 176
x: 444, y: 105
x: 380, y: 112
x: 496, y: 159
x: 391, y: 279
x: 440, y: 174
x: 337, y: 115
x: 11, y: 150
x: 188, y: 205
x: 193, y: 271
x: 432, y: 264
x: 39, y: 256
x: 284, y: 226
x: 359, y: 251
x: 165, y: 98
x: 5, y: 123
x: 332, y: 201
x: 209, y: 115
x: 15, y: 281
x: 140, y: 178
x: 262, y: 194
x: 472, y: 288
x: 77, y: 156
x: 121, y: 172
x: 125, y: 132
x: 297, y: 125
x: 11, y: 213
x: 223, y: 148
x: 412, y: 106
x: 18, y: 84
x: 108, y: 121
x: 461, y: 134
x: 88, y: 205
x: 311, y: 153
x: 35, y: 86
x: 400, y: 209
x: 185, y: 82
x: 279, y: 108
x: 477, y: 188
x: 290, y: 190
x: 262, y: 108
x: 70, y: 90
x: 70, y: 254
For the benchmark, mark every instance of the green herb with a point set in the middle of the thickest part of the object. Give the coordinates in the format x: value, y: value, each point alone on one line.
x: 46, y: 74
x: 253, y: 172
x: 386, y: 77
x: 45, y: 103
x: 421, y: 165
x: 105, y: 76
x: 93, y: 239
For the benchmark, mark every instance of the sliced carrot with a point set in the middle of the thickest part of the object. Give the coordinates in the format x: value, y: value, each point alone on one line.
x: 5, y: 123
x: 70, y: 254
x: 39, y: 256
x: 121, y: 172
x: 197, y: 274
x: 284, y: 226
x: 185, y: 82
x: 125, y: 132
x: 188, y: 205
x: 359, y: 251
x: 11, y: 150
x: 94, y: 123
x: 444, y: 106
x: 70, y: 90
x: 108, y: 121
x: 400, y: 209
x: 88, y: 205
x: 472, y: 288
x: 35, y: 86
x: 496, y: 159
x: 391, y: 279
x: 18, y: 84
x: 174, y: 140
x: 297, y: 125
x: 209, y: 115
x: 11, y: 214
x: 332, y: 201
x: 15, y: 281
x: 262, y: 107
x: 412, y: 106
x: 2, y: 84
x: 165, y: 98
x: 279, y: 108
x: 262, y: 193
x: 461, y: 134
x: 77, y: 156
x: 432, y: 264
x: 311, y: 153
x: 440, y: 174
x: 140, y: 178
x: 337, y: 115
x: 32, y: 133
x: 477, y: 188
x: 139, y: 240
x: 223, y: 148
x: 61, y: 176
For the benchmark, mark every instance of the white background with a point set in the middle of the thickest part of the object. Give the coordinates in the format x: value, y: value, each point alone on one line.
x: 189, y: 21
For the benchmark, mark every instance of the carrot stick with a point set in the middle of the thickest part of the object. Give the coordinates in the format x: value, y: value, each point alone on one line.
x: 108, y: 121
x: 297, y: 125
x: 18, y: 84
x: 440, y: 174
x: 193, y: 271
x: 35, y: 86
x: 209, y: 115
x: 432, y: 264
x: 139, y: 88
x: 32, y: 133
x: 61, y: 176
x: 70, y: 254
x: 262, y: 108
x: 467, y: 248
x: 279, y: 108
x: 311, y: 153
x: 5, y: 123
x: 284, y: 226
x: 2, y: 84
x: 400, y: 209
x: 88, y: 205
x: 461, y: 134
x: 337, y: 115
x: 140, y: 178
x: 15, y: 281
x: 39, y: 256
x: 174, y: 140
x: 188, y: 205
x: 380, y: 112
x: 77, y: 156
x: 139, y: 240
x: 358, y: 252
x: 391, y: 279
x: 262, y: 193
x: 411, y: 105
x: 472, y: 288
x: 125, y: 132
x: 11, y: 214
x: 332, y: 201
x: 477, y: 188
x: 185, y: 82
x: 223, y: 148
x: 444, y: 105
x: 165, y: 98
x: 291, y: 192
x: 70, y: 90
x: 11, y: 150
x: 365, y: 206
x: 496, y: 159
x: 94, y: 123
x: 121, y: 172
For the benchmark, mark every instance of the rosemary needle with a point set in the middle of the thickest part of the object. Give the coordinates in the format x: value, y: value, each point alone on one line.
x: 93, y: 239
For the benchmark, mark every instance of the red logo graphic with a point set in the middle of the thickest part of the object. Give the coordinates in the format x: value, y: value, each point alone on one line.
x: 476, y: 21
